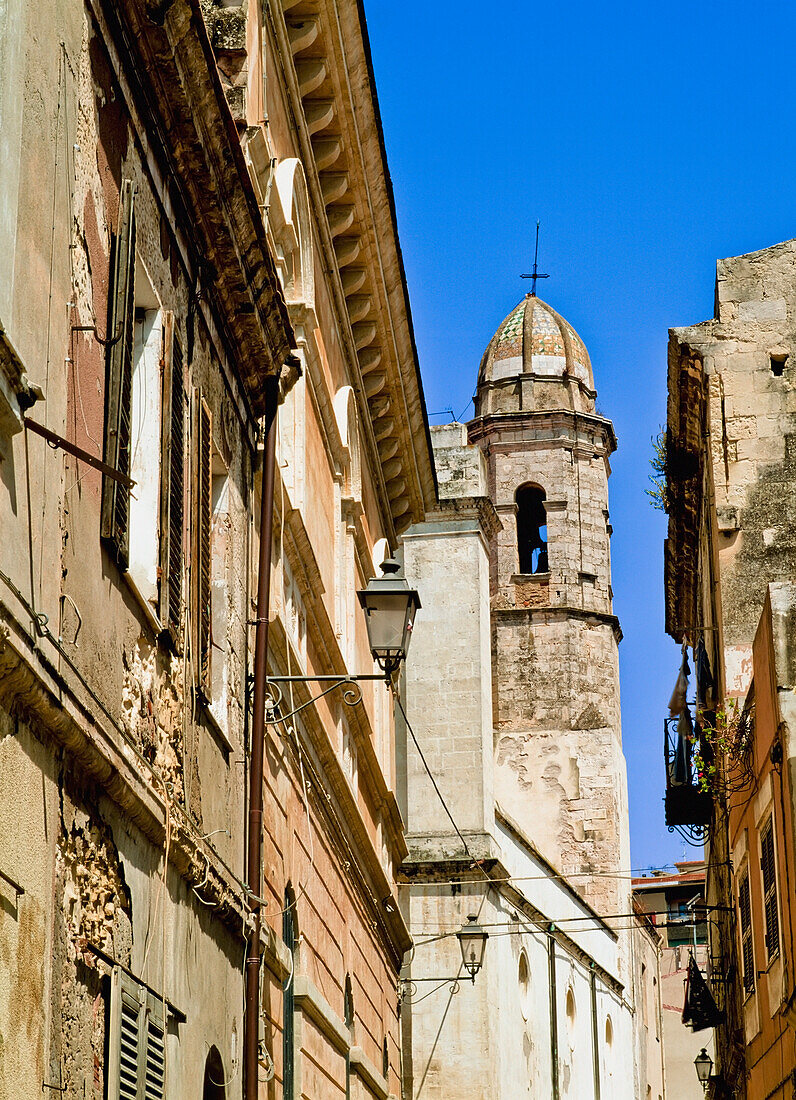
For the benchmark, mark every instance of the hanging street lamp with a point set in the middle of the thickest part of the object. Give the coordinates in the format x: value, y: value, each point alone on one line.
x: 390, y: 606
x: 703, y: 1064
x: 472, y: 940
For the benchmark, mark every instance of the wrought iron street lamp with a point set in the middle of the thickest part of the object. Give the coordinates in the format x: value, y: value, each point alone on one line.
x: 703, y: 1064
x: 472, y: 940
x: 390, y: 607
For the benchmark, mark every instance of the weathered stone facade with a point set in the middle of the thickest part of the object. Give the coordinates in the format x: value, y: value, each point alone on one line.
x: 126, y: 647
x: 729, y: 557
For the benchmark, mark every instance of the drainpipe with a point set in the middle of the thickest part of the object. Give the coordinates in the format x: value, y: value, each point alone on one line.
x: 551, y: 964
x: 595, y: 1034
x: 251, y: 1033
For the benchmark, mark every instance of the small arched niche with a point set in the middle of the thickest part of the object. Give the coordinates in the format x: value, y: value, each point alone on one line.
x: 295, y: 237
x: 214, y: 1082
x: 345, y: 411
x: 531, y: 529
x: 524, y: 982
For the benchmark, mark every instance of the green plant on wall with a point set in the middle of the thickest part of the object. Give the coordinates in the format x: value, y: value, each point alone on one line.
x: 658, y: 493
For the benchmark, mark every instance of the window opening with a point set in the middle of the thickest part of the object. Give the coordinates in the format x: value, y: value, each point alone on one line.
x: 145, y: 440
x: 348, y: 1014
x: 747, y: 951
x: 213, y: 1087
x: 288, y: 1022
x: 768, y: 866
x: 531, y: 529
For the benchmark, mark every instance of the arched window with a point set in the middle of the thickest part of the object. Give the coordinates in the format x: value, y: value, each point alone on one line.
x: 213, y: 1088
x: 348, y: 1013
x: 288, y: 1026
x: 531, y: 529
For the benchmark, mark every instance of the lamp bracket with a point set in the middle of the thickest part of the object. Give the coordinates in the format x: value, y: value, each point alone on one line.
x: 352, y: 693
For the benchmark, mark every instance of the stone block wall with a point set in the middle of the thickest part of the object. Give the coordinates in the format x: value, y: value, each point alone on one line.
x: 748, y: 356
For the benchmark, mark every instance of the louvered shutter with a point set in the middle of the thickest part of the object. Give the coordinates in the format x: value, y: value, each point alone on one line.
x: 155, y: 1069
x: 136, y: 1043
x: 203, y: 513
x: 115, y: 512
x: 172, y: 481
x: 747, y: 951
x: 768, y: 866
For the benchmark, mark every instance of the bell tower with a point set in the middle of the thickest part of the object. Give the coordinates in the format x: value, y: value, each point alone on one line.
x: 559, y: 770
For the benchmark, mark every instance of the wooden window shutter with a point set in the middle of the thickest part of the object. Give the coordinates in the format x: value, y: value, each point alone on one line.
x: 747, y: 950
x: 768, y: 867
x: 136, y: 1043
x: 202, y: 548
x: 115, y: 512
x: 172, y: 481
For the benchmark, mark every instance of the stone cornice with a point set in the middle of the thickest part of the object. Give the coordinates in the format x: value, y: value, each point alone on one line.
x: 480, y: 509
x: 556, y: 612
x: 338, y: 128
x: 540, y: 427
x: 173, y: 77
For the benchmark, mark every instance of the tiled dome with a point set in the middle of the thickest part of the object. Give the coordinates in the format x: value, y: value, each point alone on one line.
x: 536, y: 340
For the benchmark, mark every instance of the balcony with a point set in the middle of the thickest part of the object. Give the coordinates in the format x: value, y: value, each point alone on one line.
x: 688, y: 806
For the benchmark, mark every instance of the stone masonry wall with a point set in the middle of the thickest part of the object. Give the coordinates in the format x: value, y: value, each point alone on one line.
x: 749, y: 356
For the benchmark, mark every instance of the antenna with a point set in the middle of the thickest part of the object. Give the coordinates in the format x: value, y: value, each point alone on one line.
x: 535, y: 273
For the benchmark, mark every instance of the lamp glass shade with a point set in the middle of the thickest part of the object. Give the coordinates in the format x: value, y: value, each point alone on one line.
x: 703, y: 1064
x: 472, y: 940
x: 390, y: 606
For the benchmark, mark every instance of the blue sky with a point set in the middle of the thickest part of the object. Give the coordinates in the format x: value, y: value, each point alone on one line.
x: 650, y: 139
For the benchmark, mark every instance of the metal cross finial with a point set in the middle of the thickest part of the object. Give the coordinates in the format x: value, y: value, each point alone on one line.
x: 535, y: 273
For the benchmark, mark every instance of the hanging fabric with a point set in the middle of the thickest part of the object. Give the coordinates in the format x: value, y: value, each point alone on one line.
x: 700, y: 1010
x: 705, y: 684
x: 678, y: 699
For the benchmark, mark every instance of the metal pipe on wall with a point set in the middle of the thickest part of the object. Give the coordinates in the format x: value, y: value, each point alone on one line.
x: 251, y: 1033
x: 595, y: 1036
x: 551, y: 965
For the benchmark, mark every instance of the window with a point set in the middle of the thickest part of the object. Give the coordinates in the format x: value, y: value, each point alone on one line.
x: 202, y: 549
x: 219, y: 612
x: 145, y: 441
x: 115, y: 512
x: 348, y: 1014
x: 172, y: 484
x: 531, y: 529
x: 136, y: 1042
x: 747, y: 951
x: 768, y: 866
x: 288, y: 1023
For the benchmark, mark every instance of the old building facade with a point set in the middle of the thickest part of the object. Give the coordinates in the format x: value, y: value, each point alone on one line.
x: 729, y: 573
x: 189, y: 194
x: 675, y: 904
x: 512, y: 700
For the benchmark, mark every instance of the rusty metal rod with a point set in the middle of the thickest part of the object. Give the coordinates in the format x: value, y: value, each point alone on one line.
x: 57, y: 441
